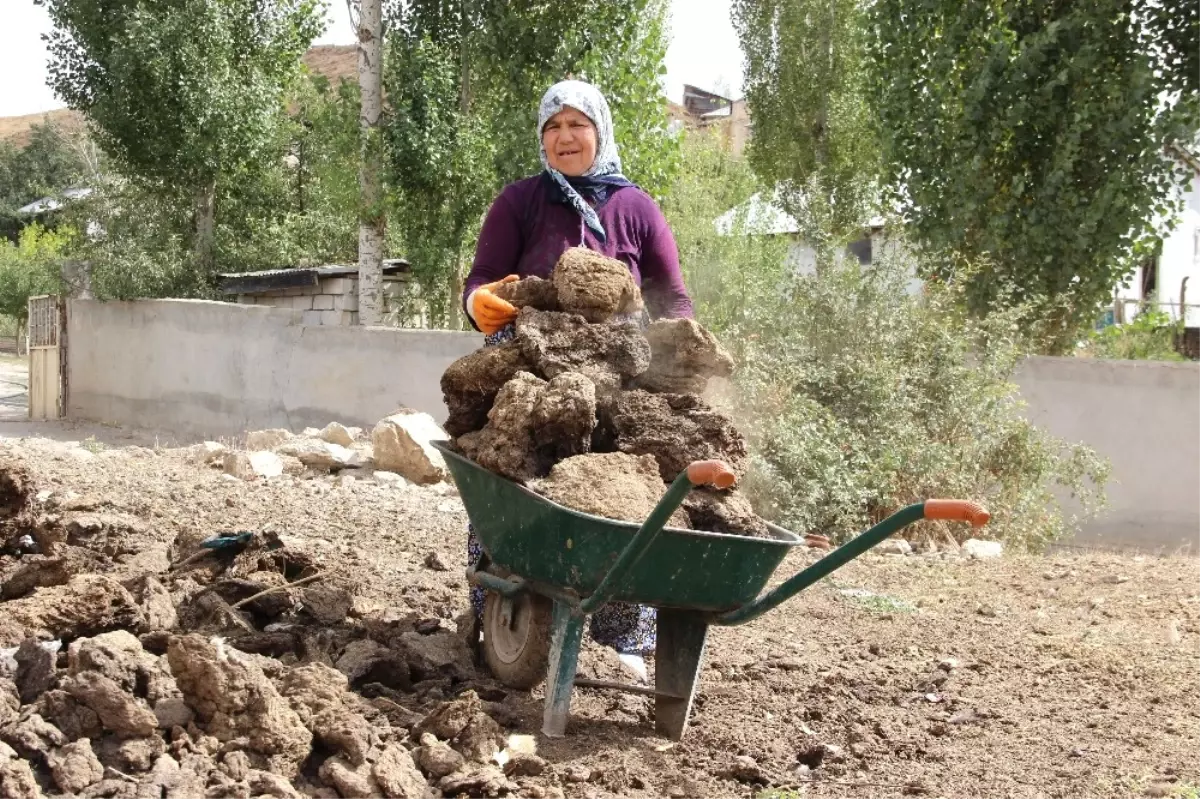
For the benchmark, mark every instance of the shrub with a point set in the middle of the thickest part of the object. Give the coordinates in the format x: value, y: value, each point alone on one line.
x: 860, y: 398
x: 1149, y: 337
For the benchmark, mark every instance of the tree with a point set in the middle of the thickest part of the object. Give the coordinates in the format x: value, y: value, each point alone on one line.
x: 1032, y: 135
x: 372, y: 226
x: 185, y: 93
x: 463, y: 81
x: 30, y: 267
x: 48, y: 164
x: 814, y: 137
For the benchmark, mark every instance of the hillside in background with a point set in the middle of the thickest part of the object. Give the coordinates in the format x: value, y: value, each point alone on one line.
x: 334, y: 61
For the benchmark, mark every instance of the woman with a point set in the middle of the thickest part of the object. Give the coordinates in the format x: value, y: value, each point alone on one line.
x: 579, y: 199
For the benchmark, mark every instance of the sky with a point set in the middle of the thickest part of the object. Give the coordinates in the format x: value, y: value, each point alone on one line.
x: 703, y: 51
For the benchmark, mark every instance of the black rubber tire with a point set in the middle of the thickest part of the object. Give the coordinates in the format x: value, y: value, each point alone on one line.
x: 518, y: 657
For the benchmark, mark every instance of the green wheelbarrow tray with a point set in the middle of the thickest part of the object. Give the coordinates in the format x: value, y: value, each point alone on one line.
x: 548, y: 567
x: 547, y: 543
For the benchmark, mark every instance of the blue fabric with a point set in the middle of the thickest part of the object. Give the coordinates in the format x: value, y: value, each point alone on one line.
x: 604, y: 175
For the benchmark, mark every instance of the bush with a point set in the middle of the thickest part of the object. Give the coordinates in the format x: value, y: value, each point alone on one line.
x: 860, y: 398
x: 1149, y: 337
x: 30, y: 267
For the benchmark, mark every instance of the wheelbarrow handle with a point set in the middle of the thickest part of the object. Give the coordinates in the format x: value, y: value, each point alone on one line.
x: 714, y: 473
x: 933, y: 509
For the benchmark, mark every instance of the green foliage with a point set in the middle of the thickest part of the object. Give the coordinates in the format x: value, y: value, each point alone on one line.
x: 860, y: 398
x: 463, y: 80
x: 814, y: 137
x: 47, y: 165
x: 1149, y: 337
x: 30, y: 267
x: 185, y: 94
x: 723, y: 273
x: 1033, y: 134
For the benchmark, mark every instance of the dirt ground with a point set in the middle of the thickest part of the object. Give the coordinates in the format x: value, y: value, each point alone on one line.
x: 929, y: 674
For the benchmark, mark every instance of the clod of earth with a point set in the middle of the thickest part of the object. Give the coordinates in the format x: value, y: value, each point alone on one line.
x: 613, y: 485
x: 683, y: 356
x: 532, y: 423
x: 470, y: 384
x: 593, y: 286
x: 86, y: 605
x: 530, y: 292
x: 607, y: 354
x: 676, y: 429
x: 723, y: 512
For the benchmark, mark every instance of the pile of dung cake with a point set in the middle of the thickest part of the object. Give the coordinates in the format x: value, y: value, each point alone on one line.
x: 587, y: 409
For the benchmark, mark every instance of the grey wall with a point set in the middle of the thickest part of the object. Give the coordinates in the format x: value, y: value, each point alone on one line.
x: 1143, y: 416
x: 211, y: 368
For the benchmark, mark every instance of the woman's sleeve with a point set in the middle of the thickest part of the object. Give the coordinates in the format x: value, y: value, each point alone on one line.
x: 662, y: 281
x: 498, y: 250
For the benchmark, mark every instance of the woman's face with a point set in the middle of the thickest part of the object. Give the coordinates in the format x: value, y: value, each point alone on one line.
x: 570, y: 141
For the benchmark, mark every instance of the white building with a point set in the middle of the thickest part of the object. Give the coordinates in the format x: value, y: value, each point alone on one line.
x: 1173, y: 276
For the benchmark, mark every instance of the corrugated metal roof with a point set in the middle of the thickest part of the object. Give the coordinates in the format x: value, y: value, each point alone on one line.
x: 296, y: 277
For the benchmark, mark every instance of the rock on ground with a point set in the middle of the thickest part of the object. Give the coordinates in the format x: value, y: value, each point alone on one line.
x: 267, y: 439
x: 401, y: 444
x: 530, y: 292
x: 397, y: 774
x: 249, y: 465
x: 117, y: 710
x: 16, y: 778
x: 336, y: 433
x: 723, y: 512
x: 683, y: 356
x: 470, y: 384
x: 534, y: 423
x: 676, y: 429
x: 594, y: 286
x: 233, y: 698
x: 982, y: 550
x: 317, y: 454
x: 608, y: 354
x: 86, y: 605
x: 320, y: 697
x: 612, y: 484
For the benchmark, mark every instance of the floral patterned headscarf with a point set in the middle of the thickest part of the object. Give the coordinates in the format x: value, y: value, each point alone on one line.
x: 604, y: 175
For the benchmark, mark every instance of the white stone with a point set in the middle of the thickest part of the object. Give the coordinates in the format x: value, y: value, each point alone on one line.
x: 390, y: 479
x: 311, y: 432
x: 982, y: 550
x: 237, y: 464
x: 894, y: 546
x: 267, y: 439
x: 401, y: 444
x: 81, y: 454
x: 339, y: 434
x: 266, y: 464
x: 315, y: 453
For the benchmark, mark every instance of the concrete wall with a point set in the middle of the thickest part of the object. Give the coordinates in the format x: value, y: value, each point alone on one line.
x: 1143, y: 416
x: 211, y: 368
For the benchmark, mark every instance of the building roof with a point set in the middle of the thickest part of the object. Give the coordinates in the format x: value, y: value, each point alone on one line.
x: 52, y: 203
x: 762, y: 217
x: 299, y: 277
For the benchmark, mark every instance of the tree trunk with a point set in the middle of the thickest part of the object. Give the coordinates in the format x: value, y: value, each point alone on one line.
x: 205, y: 227
x: 372, y: 222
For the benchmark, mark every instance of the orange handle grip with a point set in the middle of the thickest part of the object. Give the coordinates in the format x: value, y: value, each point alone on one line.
x: 956, y: 510
x: 713, y: 473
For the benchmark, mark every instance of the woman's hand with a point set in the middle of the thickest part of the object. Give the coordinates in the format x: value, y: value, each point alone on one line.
x: 492, y: 313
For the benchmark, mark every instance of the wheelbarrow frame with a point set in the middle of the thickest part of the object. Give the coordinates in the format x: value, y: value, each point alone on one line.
x: 580, y: 581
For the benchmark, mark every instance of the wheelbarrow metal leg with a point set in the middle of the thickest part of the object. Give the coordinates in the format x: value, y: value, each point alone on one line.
x: 679, y: 654
x: 566, y: 636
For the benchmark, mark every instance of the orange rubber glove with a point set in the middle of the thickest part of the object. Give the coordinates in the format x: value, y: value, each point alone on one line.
x: 492, y: 313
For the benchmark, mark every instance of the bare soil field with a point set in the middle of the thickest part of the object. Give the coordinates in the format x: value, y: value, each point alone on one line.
x: 929, y: 674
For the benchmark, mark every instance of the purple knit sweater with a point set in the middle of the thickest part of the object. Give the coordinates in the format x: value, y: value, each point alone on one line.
x: 525, y: 232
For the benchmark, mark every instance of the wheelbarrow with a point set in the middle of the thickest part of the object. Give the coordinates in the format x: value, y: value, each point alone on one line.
x: 547, y: 567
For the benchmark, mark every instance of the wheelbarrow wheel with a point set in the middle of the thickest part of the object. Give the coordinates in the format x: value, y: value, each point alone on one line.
x: 517, y: 650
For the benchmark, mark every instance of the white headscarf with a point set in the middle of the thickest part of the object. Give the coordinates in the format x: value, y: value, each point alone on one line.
x: 605, y: 171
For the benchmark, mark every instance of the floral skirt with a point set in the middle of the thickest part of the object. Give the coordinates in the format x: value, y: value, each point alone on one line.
x: 629, y: 629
